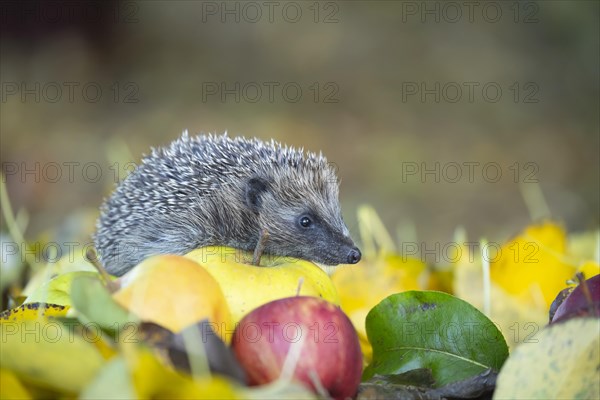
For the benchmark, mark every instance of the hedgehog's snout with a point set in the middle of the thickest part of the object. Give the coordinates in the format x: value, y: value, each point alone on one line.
x: 354, y: 256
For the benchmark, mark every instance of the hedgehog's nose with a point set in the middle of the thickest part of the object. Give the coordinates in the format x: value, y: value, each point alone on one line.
x: 354, y: 256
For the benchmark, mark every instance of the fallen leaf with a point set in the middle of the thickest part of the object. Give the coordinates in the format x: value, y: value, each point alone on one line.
x: 49, y: 354
x: 112, y: 382
x: 419, y: 385
x: 584, y: 246
x: 73, y: 262
x: 11, y: 387
x: 152, y: 379
x: 95, y: 305
x: 432, y: 330
x: 518, y: 321
x: 57, y: 290
x: 185, y: 345
x: 589, y: 269
x: 183, y: 351
x: 33, y: 312
x: 533, y: 267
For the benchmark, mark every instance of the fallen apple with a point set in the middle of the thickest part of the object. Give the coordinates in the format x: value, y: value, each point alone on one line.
x: 583, y: 301
x: 248, y: 286
x: 327, y: 348
x: 172, y: 291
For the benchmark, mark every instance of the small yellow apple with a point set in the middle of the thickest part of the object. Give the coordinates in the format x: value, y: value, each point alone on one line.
x: 172, y: 291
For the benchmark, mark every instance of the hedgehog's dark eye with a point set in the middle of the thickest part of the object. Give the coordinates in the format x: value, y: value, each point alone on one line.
x: 305, y: 222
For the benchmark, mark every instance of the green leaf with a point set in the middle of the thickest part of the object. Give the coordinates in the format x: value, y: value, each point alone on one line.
x: 57, y: 290
x: 432, y: 330
x: 563, y: 363
x: 94, y: 304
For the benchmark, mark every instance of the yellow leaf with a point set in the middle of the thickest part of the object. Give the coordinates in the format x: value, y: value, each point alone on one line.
x: 517, y: 321
x: 154, y: 380
x: 563, y: 363
x: 57, y: 290
x: 589, y: 269
x: 584, y: 246
x: 71, y: 262
x: 137, y: 373
x: 33, y: 312
x: 441, y: 279
x: 11, y: 388
x: 532, y: 266
x: 48, y: 354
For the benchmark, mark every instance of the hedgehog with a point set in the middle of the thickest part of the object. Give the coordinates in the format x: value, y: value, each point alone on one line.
x: 214, y: 190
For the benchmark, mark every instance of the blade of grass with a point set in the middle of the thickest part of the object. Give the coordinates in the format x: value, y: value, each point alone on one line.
x: 485, y: 266
x: 11, y: 222
x: 535, y: 200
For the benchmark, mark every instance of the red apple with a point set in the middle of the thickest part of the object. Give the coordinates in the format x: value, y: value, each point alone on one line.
x: 576, y: 303
x: 329, y: 353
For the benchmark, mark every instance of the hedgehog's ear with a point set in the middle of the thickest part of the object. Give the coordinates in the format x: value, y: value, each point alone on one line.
x: 254, y: 190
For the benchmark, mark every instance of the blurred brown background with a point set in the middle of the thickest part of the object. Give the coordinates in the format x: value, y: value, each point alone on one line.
x: 88, y: 87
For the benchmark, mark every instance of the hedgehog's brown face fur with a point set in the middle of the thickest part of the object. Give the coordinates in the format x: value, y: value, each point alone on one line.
x: 300, y: 210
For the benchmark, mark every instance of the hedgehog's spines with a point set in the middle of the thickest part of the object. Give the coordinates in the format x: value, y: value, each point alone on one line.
x: 192, y: 193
